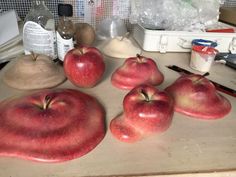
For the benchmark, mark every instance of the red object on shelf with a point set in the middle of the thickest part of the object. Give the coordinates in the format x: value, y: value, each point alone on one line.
x: 225, y: 30
x: 51, y: 125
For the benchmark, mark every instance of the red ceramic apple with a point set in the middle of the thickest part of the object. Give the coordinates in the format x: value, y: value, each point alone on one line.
x: 146, y: 111
x: 196, y: 96
x: 84, y: 66
x: 135, y: 71
x: 51, y: 125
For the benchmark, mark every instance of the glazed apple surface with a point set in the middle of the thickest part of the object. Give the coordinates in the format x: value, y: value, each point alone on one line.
x: 197, y: 97
x: 146, y: 111
x: 135, y: 71
x: 84, y: 66
x: 51, y: 126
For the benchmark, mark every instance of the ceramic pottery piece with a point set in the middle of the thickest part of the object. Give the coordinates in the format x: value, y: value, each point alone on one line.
x: 135, y: 71
x: 197, y: 97
x: 51, y: 125
x: 147, y: 111
x: 34, y: 71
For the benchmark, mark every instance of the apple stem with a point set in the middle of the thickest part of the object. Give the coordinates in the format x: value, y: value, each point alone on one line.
x: 81, y: 51
x: 139, y: 58
x: 144, y: 94
x: 34, y: 56
x: 202, y: 76
x: 47, y: 101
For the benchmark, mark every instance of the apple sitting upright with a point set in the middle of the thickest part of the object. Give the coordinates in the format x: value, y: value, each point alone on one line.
x: 197, y: 97
x: 146, y: 111
x: 135, y: 71
x: 84, y: 66
x: 51, y: 125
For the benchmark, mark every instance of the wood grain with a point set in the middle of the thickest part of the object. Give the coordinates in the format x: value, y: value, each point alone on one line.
x: 188, y: 148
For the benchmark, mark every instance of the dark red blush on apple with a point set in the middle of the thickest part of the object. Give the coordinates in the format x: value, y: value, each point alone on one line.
x: 146, y: 111
x: 197, y: 97
x: 135, y: 71
x: 51, y: 125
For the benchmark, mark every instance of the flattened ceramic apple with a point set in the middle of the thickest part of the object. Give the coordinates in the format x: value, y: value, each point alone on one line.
x: 135, y: 71
x: 34, y: 71
x: 196, y: 96
x: 51, y: 126
x: 146, y: 111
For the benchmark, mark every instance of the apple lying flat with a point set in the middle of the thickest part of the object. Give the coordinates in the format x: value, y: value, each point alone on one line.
x: 51, y: 125
x: 196, y: 96
x: 33, y: 71
x: 146, y: 111
x: 84, y: 66
x: 135, y: 71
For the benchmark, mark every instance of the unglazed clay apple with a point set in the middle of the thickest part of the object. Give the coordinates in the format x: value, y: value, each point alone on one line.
x: 84, y: 66
x: 135, y: 71
x: 51, y: 125
x: 34, y: 71
x: 196, y: 96
x: 146, y: 111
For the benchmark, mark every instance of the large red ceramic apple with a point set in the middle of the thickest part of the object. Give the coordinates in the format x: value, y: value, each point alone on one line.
x: 135, y: 71
x: 51, y: 125
x: 197, y: 97
x: 84, y: 66
x: 146, y: 111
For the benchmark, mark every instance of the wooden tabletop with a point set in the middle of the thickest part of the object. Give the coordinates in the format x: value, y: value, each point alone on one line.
x: 190, y: 147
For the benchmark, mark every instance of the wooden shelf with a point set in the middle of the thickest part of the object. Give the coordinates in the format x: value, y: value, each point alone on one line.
x: 190, y: 147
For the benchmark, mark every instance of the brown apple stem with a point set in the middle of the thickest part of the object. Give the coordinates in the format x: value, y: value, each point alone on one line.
x: 34, y: 56
x: 47, y: 101
x: 144, y: 94
x: 139, y: 58
x: 202, y: 76
x: 79, y: 51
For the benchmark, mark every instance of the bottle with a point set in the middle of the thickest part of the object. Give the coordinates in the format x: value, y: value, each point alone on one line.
x: 65, y: 30
x: 39, y: 34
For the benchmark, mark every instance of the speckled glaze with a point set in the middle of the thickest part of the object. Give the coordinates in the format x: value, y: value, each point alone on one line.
x: 135, y: 71
x: 51, y: 125
x: 146, y: 111
x: 197, y: 97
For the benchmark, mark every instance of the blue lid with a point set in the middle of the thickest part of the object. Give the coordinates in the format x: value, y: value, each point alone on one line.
x: 203, y: 42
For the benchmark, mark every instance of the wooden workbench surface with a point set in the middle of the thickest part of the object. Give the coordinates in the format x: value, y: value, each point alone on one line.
x: 189, y: 146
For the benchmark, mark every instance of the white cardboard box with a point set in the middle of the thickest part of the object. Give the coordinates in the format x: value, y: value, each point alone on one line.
x: 9, y: 27
x: 180, y: 41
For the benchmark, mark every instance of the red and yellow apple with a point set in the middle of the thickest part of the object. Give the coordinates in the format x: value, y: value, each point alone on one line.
x: 135, y: 71
x: 84, y: 66
x: 146, y: 111
x: 197, y: 97
x: 51, y: 125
